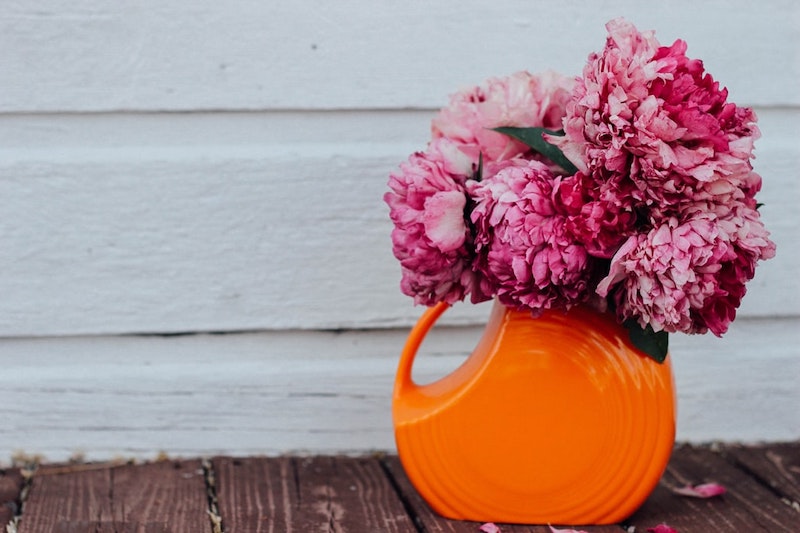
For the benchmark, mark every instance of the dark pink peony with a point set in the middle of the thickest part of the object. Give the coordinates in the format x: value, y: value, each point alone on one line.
x: 689, y: 275
x: 427, y: 202
x: 522, y: 100
x: 600, y: 216
x: 649, y: 115
x: 524, y: 248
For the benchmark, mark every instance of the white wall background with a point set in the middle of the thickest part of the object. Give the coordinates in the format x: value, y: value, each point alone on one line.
x: 215, y: 170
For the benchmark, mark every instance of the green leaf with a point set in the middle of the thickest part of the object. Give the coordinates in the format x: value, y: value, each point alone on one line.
x: 654, y: 344
x: 533, y: 138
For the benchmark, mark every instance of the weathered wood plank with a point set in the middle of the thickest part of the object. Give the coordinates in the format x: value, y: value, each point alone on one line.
x: 776, y: 465
x: 160, y: 497
x: 336, y: 494
x: 747, y: 505
x: 357, y: 494
x: 83, y: 526
x: 168, y: 492
x: 255, y: 495
x: 433, y: 523
x: 11, y: 481
x: 56, y: 501
x: 350, y: 495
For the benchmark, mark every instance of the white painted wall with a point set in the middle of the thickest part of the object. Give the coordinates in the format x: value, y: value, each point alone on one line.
x: 197, y: 167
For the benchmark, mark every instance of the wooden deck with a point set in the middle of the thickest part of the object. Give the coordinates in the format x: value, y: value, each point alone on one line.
x: 364, y: 494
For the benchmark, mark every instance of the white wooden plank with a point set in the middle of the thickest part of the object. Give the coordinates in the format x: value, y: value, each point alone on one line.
x: 57, y: 133
x: 237, y: 242
x: 59, y: 55
x: 318, y: 392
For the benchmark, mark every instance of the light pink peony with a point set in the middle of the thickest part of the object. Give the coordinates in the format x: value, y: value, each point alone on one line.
x: 524, y: 249
x: 521, y: 100
x: 649, y: 115
x: 690, y: 275
x: 430, y: 237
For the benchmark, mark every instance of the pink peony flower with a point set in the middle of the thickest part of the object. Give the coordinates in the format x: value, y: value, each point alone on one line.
x: 427, y: 203
x: 649, y: 115
x: 601, y: 218
x: 740, y: 226
x: 689, y: 275
x: 524, y: 249
x: 521, y: 100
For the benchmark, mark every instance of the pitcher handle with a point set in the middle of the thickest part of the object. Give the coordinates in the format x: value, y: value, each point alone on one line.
x: 404, y: 381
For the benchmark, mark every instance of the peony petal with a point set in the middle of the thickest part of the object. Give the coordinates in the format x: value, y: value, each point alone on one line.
x: 662, y: 528
x: 489, y: 528
x: 443, y: 219
x: 555, y: 530
x: 705, y: 490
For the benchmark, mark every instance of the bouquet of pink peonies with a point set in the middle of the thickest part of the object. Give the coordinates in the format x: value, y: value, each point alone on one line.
x: 629, y: 188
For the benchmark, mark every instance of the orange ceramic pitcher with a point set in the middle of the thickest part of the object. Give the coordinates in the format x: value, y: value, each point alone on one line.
x: 555, y: 419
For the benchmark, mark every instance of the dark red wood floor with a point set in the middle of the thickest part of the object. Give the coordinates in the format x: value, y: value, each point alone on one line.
x: 365, y: 494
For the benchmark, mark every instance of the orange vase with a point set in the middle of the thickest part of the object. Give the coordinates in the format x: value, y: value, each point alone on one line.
x: 556, y: 419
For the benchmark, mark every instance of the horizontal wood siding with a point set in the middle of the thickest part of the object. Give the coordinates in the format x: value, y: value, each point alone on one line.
x: 206, y: 167
x: 266, y: 393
